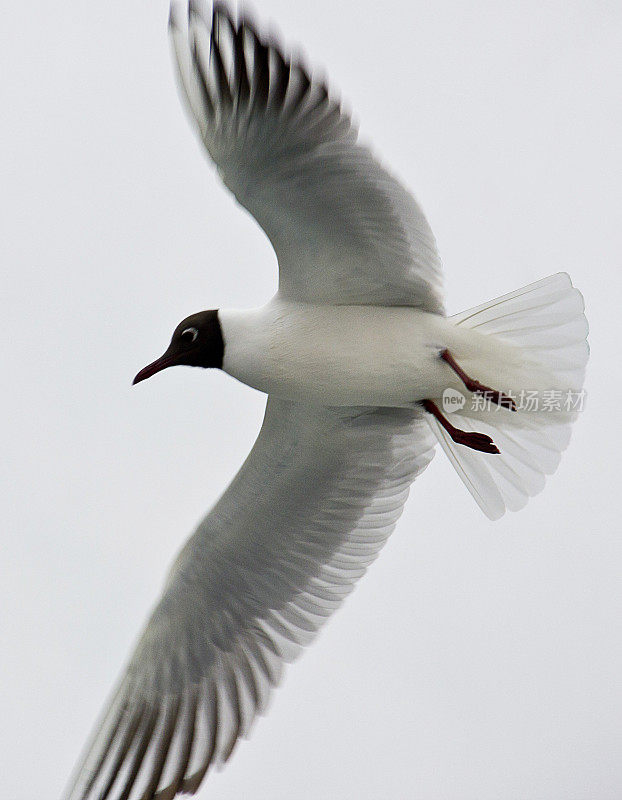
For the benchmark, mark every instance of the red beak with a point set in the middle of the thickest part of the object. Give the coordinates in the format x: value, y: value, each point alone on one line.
x: 156, y: 366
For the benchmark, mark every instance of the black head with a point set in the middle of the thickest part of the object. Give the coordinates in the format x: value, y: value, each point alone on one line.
x: 197, y: 342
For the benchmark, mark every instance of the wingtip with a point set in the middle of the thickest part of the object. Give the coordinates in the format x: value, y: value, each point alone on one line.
x: 195, y: 9
x: 174, y: 16
x: 220, y: 8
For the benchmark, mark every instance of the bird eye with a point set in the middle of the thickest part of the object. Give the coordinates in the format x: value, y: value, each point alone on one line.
x: 189, y: 335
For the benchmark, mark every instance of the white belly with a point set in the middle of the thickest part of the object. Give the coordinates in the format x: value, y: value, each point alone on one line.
x: 339, y: 355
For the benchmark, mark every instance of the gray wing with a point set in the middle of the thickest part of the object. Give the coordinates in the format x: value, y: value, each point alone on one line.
x: 345, y: 231
x: 309, y: 510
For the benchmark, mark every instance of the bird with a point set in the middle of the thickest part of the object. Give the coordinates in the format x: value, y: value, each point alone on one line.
x: 364, y: 372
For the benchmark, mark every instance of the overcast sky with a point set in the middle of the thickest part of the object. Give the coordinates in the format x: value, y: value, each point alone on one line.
x: 476, y: 660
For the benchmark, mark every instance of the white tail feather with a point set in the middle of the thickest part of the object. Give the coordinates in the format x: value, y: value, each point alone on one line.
x: 545, y: 322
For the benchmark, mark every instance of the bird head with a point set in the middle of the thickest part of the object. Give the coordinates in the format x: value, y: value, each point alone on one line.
x: 196, y: 342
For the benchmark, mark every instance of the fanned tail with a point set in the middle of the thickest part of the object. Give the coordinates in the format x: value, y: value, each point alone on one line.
x: 539, y: 342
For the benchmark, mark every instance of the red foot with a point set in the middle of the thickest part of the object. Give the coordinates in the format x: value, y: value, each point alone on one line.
x: 476, y: 441
x: 476, y: 387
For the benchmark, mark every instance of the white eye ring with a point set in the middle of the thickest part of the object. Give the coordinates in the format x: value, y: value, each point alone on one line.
x: 193, y: 331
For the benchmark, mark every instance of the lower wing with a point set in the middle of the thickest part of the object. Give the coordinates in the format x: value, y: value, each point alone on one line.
x: 307, y: 513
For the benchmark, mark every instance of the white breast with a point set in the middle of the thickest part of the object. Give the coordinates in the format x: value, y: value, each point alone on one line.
x: 337, y: 355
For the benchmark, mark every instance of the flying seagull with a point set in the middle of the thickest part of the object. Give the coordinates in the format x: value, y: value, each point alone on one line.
x: 364, y: 372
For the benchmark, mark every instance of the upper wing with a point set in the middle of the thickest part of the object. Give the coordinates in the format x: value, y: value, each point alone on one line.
x: 309, y: 510
x: 345, y: 231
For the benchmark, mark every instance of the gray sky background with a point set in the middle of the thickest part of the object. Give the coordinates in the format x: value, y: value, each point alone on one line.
x: 476, y: 660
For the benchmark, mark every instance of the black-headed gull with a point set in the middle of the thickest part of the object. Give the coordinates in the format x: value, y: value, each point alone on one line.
x: 364, y: 373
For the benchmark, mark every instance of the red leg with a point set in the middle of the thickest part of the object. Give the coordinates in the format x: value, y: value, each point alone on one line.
x: 476, y: 441
x: 475, y: 386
